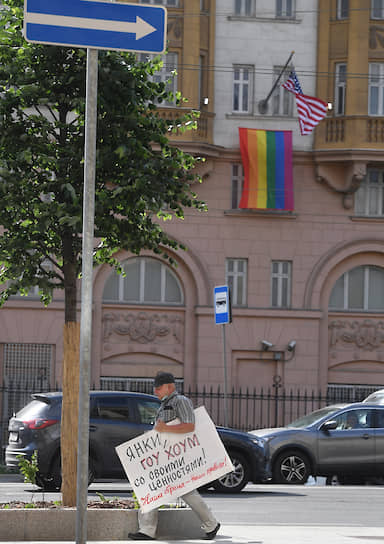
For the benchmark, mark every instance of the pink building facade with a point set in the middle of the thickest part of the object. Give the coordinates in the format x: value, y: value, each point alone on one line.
x: 309, y: 282
x: 293, y: 278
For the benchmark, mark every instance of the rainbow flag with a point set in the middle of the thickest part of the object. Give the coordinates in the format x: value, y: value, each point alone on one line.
x: 267, y: 162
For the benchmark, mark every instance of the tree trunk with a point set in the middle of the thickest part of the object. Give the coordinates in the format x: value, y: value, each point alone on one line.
x: 71, y: 377
x: 70, y: 413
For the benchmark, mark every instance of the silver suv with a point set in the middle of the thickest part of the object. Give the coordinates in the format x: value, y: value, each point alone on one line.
x: 343, y: 440
x: 375, y: 398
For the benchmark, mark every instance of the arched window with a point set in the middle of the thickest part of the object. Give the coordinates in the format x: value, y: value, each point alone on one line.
x: 146, y: 281
x: 361, y: 288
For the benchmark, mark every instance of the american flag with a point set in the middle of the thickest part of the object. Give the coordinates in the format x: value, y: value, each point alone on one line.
x: 311, y: 110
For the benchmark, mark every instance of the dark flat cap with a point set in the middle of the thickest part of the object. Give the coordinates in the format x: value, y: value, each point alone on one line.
x: 162, y: 378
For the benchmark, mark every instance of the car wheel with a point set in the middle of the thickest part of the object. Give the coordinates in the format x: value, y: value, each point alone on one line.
x: 46, y: 483
x: 56, y: 473
x: 291, y: 467
x: 235, y: 481
x: 53, y: 482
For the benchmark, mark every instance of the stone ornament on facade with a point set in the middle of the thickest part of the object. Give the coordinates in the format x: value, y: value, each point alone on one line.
x: 143, y: 327
x: 354, y: 175
x: 367, y: 335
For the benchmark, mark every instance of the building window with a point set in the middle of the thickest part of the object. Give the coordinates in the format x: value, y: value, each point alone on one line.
x: 244, y: 7
x: 369, y: 198
x: 376, y: 89
x: 342, y: 9
x: 34, y: 291
x: 145, y: 281
x: 167, y: 73
x: 236, y: 185
x: 281, y: 284
x: 349, y: 392
x: 242, y: 89
x: 359, y: 289
x: 137, y: 384
x: 26, y: 368
x: 340, y: 85
x: 236, y: 279
x: 282, y: 99
x: 169, y: 3
x: 284, y: 8
x: 377, y: 9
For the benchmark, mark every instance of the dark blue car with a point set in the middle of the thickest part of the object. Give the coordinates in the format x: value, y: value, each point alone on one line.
x: 115, y: 417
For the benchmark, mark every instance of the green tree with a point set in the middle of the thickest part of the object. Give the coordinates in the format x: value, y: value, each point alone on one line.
x: 141, y: 179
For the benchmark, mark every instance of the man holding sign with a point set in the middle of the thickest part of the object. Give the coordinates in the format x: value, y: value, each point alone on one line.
x: 175, y: 416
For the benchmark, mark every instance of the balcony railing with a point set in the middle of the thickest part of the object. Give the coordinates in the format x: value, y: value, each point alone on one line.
x: 353, y: 132
x: 204, y: 130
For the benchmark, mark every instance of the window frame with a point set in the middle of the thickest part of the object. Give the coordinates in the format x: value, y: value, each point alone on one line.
x: 167, y: 3
x: 285, y: 9
x: 241, y: 84
x: 237, y: 184
x: 377, y: 5
x: 232, y: 280
x: 379, y: 85
x: 281, y: 97
x: 340, y: 88
x: 278, y: 278
x: 167, y: 74
x: 244, y: 8
x: 342, y: 10
x: 142, y: 300
x: 369, y: 194
x: 365, y: 290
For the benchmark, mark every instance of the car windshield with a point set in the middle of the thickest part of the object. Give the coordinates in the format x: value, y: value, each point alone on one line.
x: 311, y: 418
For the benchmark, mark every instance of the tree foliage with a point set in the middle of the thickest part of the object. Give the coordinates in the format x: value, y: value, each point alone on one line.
x: 141, y: 179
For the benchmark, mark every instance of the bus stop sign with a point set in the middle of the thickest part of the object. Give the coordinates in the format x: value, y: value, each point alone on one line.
x: 222, y: 305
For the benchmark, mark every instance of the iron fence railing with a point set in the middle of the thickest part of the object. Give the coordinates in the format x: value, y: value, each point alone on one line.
x: 245, y: 409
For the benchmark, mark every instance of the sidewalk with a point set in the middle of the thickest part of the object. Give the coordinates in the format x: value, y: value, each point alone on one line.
x: 276, y: 534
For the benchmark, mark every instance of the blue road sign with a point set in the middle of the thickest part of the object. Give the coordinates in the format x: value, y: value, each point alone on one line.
x: 94, y: 24
x: 222, y: 305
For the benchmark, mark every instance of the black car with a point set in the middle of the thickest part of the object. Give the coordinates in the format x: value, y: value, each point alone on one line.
x: 115, y: 417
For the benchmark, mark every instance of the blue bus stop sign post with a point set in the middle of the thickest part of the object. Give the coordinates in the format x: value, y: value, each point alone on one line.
x: 222, y: 305
x: 93, y: 25
x: 223, y: 315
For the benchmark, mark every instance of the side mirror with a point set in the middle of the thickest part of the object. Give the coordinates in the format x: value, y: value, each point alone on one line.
x: 330, y: 425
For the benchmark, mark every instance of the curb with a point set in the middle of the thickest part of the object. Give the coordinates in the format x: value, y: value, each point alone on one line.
x: 11, y: 477
x: 110, y: 524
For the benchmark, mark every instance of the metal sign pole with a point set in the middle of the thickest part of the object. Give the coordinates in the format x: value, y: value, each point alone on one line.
x: 225, y: 380
x: 86, y: 294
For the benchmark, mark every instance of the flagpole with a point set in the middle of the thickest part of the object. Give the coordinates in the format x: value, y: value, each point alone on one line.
x: 263, y: 104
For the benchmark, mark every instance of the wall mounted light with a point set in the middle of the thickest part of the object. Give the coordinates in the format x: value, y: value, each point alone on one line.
x: 292, y: 345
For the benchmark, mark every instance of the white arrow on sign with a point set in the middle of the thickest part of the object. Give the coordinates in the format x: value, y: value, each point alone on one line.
x: 141, y: 28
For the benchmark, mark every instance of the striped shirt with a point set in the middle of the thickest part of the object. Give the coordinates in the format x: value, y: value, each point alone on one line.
x: 176, y: 406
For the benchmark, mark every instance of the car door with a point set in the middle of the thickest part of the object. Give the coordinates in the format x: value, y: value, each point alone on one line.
x: 348, y: 450
x: 116, y: 419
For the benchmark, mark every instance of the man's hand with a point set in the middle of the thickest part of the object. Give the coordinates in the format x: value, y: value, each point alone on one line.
x: 161, y: 426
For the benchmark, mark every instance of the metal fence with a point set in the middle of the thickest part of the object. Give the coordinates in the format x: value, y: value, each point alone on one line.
x: 245, y: 409
x: 259, y: 409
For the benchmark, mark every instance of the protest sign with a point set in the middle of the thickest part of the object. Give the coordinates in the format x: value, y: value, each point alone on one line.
x: 164, y: 466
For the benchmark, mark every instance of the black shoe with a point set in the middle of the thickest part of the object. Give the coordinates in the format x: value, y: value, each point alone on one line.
x: 140, y: 536
x: 211, y: 535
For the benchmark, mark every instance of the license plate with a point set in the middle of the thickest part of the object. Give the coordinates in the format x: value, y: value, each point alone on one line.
x: 13, y: 437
